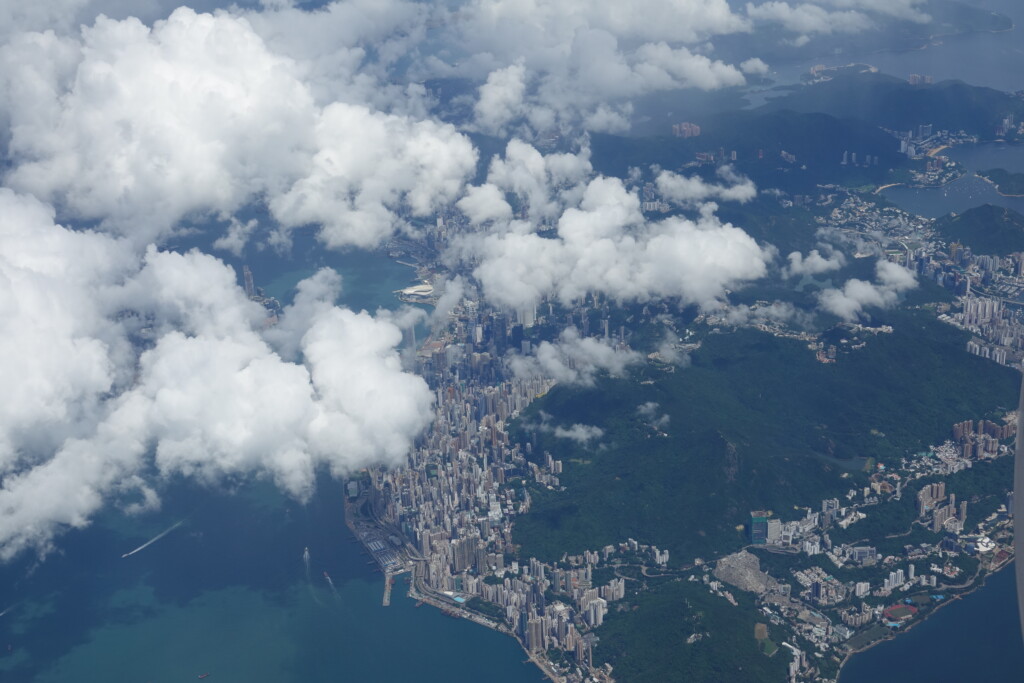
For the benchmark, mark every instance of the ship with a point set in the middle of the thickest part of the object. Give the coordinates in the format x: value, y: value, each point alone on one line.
x: 203, y: 676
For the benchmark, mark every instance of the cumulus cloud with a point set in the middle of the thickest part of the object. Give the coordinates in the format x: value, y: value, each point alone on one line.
x: 524, y: 26
x: 649, y: 413
x: 849, y: 302
x: 573, y: 360
x: 139, y: 127
x: 124, y: 365
x: 370, y: 165
x: 602, y: 243
x: 807, y: 19
x: 668, y: 351
x: 350, y: 50
x: 692, y: 190
x: 754, y: 66
x: 899, y: 9
x: 812, y: 264
x: 592, y: 87
x: 580, y: 433
x: 237, y: 236
x: 578, y: 63
x: 151, y: 124
x: 501, y: 98
x: 773, y: 313
x: 452, y: 292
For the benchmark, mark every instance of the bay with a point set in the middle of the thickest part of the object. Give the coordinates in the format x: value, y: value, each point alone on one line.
x: 956, y: 197
x: 988, y: 155
x: 968, y: 191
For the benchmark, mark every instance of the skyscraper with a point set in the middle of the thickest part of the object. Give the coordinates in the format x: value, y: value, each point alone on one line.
x: 250, y: 287
x: 758, y: 527
x: 1018, y: 506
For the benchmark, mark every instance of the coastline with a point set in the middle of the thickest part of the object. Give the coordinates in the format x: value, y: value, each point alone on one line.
x: 996, y: 187
x: 418, y: 591
x: 978, y: 582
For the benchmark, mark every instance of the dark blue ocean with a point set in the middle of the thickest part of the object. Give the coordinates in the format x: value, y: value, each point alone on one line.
x: 976, y: 638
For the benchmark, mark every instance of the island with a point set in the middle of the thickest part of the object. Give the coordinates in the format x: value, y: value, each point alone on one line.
x: 1007, y: 184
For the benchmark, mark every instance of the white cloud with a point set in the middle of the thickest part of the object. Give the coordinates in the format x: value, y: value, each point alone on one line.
x: 501, y: 98
x: 451, y: 295
x: 849, y: 302
x: 692, y: 190
x: 237, y: 236
x: 649, y: 413
x: 350, y: 50
x: 899, y: 9
x: 580, y: 433
x: 573, y: 360
x: 754, y: 66
x: 602, y: 243
x: 578, y: 63
x: 370, y: 165
x: 772, y: 313
x: 812, y: 264
x: 541, y: 183
x: 809, y: 19
x: 121, y: 363
x: 140, y: 127
x: 152, y: 124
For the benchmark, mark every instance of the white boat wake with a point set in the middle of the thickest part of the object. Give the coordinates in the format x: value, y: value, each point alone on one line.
x: 331, y: 584
x: 154, y: 539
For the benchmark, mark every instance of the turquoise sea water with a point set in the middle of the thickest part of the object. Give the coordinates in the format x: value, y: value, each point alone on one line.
x: 228, y: 593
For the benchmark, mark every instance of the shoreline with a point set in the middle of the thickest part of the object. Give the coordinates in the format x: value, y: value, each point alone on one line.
x: 996, y: 187
x: 978, y: 583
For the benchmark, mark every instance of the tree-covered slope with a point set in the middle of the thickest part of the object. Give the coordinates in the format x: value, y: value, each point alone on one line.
x: 754, y: 422
x: 985, y: 229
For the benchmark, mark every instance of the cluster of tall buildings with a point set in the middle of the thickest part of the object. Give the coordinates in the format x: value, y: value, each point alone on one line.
x: 999, y: 334
x: 983, y: 440
x: 943, y: 517
x: 256, y: 294
x: 865, y: 159
x: 456, y: 500
x: 685, y: 129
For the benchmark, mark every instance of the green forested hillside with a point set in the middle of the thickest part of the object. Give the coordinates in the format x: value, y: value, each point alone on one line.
x: 754, y: 422
x: 985, y: 229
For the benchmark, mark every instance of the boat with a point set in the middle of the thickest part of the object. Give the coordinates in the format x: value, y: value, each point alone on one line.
x: 326, y: 575
x: 203, y: 676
